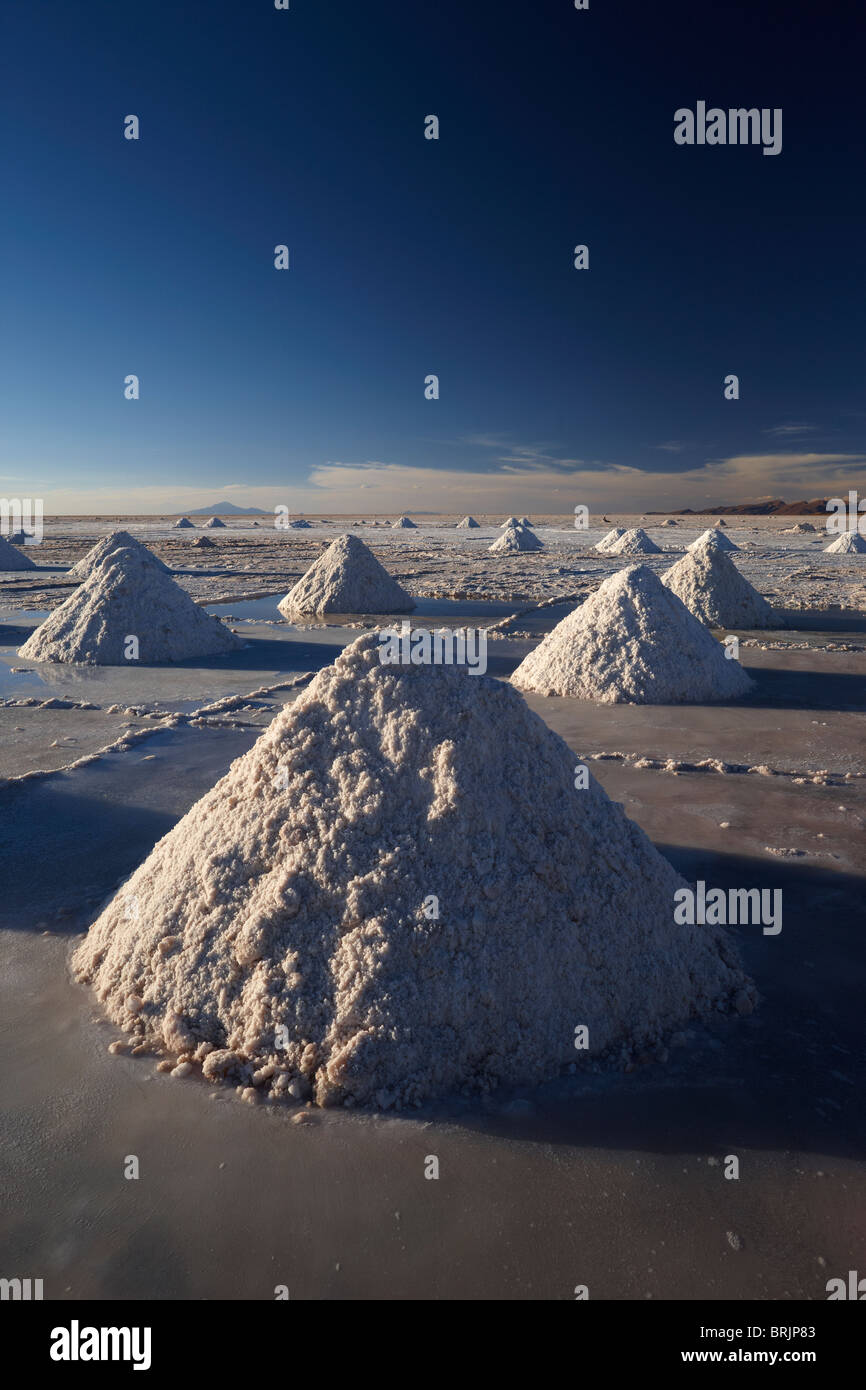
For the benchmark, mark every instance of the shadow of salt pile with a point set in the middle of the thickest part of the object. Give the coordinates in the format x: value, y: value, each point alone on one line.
x: 784, y: 688
x: 67, y: 839
x: 789, y: 1077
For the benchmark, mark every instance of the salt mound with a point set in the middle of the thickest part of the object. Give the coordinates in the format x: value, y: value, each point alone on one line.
x: 713, y: 537
x: 118, y: 540
x: 848, y: 543
x: 203, y: 543
x: 184, y: 524
x: 524, y: 521
x: 800, y: 529
x: 721, y: 522
x: 375, y: 907
x: 632, y: 642
x: 515, y: 539
x: 215, y: 524
x: 635, y: 542
x: 512, y: 521
x: 12, y: 559
x: 468, y: 523
x: 127, y: 596
x: 302, y: 525
x: 402, y: 523
x: 711, y: 587
x: 346, y: 578
x: 607, y: 541
x: 669, y: 521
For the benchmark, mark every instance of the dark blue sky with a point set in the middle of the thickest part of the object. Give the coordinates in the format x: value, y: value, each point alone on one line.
x: 412, y: 256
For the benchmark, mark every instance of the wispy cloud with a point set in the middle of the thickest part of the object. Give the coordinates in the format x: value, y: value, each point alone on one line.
x: 790, y: 431
x: 520, y: 482
x: 672, y: 446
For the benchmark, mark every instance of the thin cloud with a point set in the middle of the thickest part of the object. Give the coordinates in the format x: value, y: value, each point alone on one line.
x: 790, y: 431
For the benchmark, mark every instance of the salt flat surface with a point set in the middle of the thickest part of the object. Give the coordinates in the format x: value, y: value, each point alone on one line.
x: 607, y: 1173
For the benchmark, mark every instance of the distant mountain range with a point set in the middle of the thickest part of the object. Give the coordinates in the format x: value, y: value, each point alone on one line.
x: 225, y: 509
x: 765, y: 506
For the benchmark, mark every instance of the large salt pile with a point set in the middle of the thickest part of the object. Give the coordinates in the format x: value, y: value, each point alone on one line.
x: 127, y: 596
x: 346, y: 578
x: 607, y: 541
x: 635, y: 542
x: 184, y: 524
x: 713, y: 537
x: 215, y: 524
x: 632, y: 642
x: 374, y: 907
x: 514, y: 540
x: 468, y: 523
x: 12, y: 559
x: 403, y: 523
x: 118, y: 540
x: 711, y: 587
x: 848, y: 543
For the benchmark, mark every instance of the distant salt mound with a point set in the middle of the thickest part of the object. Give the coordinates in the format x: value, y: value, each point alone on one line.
x: 669, y: 521
x: 524, y: 521
x: 347, y: 578
x: 302, y: 525
x: 514, y: 540
x: 713, y: 537
x: 127, y: 596
x: 12, y: 559
x: 848, y: 543
x: 633, y: 642
x: 801, y: 528
x: 512, y: 521
x: 215, y: 524
x: 607, y: 541
x: 711, y: 587
x: 403, y: 523
x: 184, y: 524
x: 721, y: 522
x: 203, y: 543
x: 118, y: 540
x: 468, y: 523
x: 635, y: 542
x: 281, y: 939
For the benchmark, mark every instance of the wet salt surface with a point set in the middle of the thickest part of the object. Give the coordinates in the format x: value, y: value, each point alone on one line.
x: 597, y: 1179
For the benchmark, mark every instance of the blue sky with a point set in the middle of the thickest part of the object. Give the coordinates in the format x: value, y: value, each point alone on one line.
x: 411, y: 257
